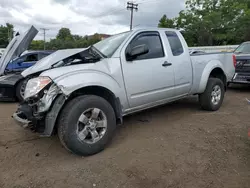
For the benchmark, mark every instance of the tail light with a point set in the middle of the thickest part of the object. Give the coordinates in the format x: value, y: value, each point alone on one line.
x: 234, y: 60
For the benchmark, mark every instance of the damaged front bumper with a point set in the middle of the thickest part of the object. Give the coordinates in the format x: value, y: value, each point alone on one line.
x: 40, y: 116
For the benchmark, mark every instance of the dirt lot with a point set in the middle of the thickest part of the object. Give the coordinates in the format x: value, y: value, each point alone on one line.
x: 176, y: 145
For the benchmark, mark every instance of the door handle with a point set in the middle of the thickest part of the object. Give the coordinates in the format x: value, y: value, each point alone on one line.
x: 166, y: 64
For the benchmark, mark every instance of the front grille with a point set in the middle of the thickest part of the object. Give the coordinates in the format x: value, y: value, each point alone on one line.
x: 243, y: 66
x: 239, y: 77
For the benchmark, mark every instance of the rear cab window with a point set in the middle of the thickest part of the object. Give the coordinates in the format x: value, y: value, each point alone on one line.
x: 175, y: 43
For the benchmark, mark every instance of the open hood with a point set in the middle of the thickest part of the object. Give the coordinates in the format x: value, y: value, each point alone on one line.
x: 16, y: 47
x: 47, y: 62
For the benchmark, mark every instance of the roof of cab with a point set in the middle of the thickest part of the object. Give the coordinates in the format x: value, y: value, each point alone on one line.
x: 153, y: 28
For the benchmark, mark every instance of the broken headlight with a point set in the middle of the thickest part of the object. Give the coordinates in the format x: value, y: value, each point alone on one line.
x: 35, y: 85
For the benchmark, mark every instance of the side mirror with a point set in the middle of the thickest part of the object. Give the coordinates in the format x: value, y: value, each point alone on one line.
x: 137, y: 51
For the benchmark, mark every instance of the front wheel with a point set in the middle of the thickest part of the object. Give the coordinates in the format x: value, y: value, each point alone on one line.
x: 86, y: 125
x: 20, y: 89
x: 213, y: 95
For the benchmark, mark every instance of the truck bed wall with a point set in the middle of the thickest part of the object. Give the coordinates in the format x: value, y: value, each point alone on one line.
x: 209, y: 61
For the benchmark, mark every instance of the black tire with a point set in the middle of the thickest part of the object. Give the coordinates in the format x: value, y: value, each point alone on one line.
x: 205, y: 98
x: 67, y: 124
x: 18, y: 90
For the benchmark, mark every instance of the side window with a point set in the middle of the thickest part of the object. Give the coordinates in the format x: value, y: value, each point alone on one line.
x: 41, y: 56
x: 32, y: 57
x: 153, y: 42
x: 175, y: 43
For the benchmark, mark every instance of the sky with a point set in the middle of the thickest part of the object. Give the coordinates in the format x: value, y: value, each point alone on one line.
x: 84, y: 17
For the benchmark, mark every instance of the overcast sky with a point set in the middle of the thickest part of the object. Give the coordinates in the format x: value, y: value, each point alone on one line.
x: 84, y: 16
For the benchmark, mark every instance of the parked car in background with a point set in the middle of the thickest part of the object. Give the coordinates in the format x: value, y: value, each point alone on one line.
x: 25, y: 61
x: 84, y: 93
x: 243, y: 48
x: 242, y: 64
x: 14, y: 61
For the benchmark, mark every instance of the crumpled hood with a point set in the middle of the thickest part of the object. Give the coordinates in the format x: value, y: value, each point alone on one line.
x: 54, y: 74
x: 47, y: 62
x: 16, y: 47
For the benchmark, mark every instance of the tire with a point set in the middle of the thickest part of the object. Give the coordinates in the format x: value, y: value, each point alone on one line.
x: 20, y: 86
x: 68, y: 125
x: 206, y: 99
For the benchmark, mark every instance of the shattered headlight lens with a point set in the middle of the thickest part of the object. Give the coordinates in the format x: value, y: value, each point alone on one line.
x: 35, y: 85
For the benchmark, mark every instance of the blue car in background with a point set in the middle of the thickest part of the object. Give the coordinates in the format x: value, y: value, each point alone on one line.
x: 25, y: 61
x: 12, y: 84
x: 14, y: 60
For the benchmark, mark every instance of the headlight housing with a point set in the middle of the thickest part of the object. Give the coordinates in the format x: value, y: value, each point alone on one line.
x: 35, y: 85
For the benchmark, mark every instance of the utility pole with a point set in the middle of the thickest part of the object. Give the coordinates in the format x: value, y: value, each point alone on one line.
x: 132, y: 6
x: 44, y: 35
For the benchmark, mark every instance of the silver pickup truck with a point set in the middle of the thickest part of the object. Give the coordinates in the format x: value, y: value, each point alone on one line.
x: 82, y: 94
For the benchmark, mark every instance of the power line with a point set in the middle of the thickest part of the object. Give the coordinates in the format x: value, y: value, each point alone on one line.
x: 132, y: 6
x: 44, y: 35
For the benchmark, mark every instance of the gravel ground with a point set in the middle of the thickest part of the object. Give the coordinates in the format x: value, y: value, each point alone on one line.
x: 176, y: 145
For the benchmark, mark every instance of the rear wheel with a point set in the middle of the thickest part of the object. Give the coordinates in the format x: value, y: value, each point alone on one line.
x: 213, y: 95
x: 86, y: 125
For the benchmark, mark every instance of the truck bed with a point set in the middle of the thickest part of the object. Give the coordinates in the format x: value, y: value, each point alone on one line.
x: 200, y: 61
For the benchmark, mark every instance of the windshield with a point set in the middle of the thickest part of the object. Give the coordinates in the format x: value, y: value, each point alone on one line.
x: 110, y: 45
x: 244, y: 48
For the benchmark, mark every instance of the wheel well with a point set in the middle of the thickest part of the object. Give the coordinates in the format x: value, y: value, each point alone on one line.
x: 218, y: 73
x: 104, y: 93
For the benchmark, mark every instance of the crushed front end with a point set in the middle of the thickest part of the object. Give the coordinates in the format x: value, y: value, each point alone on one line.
x: 39, y: 111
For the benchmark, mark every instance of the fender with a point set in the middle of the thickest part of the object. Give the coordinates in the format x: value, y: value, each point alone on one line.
x: 80, y: 79
x: 68, y: 83
x: 206, y: 73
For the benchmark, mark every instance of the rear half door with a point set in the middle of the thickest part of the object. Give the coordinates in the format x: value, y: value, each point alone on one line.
x: 180, y: 59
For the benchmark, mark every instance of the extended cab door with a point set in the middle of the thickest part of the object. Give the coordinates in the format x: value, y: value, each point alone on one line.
x: 181, y: 62
x: 148, y: 78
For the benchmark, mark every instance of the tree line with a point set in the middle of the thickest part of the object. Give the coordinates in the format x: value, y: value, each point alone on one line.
x: 203, y: 23
x: 6, y: 34
x: 64, y: 39
x: 212, y: 22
